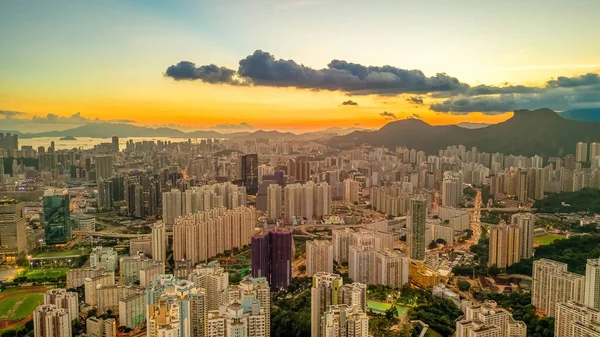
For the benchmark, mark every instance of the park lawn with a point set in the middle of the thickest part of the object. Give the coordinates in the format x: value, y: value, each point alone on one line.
x: 64, y: 253
x: 432, y: 333
x: 49, y: 273
x: 548, y: 238
x: 382, y: 307
x: 18, y: 307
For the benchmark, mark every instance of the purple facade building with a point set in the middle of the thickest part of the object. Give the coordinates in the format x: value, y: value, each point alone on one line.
x: 272, y: 254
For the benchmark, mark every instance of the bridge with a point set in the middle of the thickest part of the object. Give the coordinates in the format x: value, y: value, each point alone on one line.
x: 110, y: 235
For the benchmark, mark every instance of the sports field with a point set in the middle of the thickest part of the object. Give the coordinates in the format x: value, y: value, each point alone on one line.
x: 38, y: 274
x: 381, y: 307
x: 17, y: 305
x: 547, y: 239
x: 58, y: 254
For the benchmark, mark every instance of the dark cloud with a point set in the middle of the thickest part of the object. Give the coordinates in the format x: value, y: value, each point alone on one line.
x: 349, y: 102
x: 263, y: 69
x: 12, y: 114
x: 415, y: 100
x: 211, y: 73
x: 240, y: 126
x: 387, y: 115
x: 589, y: 79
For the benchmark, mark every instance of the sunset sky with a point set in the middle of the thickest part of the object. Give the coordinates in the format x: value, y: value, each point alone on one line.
x: 120, y: 60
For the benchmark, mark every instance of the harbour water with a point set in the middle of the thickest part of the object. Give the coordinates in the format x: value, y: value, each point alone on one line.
x: 88, y: 143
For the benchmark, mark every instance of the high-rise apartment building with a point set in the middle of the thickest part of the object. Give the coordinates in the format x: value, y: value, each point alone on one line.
x: 130, y: 267
x: 105, y: 194
x: 250, y: 292
x: 200, y: 236
x: 344, y: 321
x: 488, y: 320
x: 573, y: 319
x: 272, y: 256
x: 416, y: 228
x: 325, y: 292
x: 505, y: 245
x: 104, y: 167
x: 319, y: 257
x: 57, y: 223
x: 159, y: 241
x: 63, y: 299
x: 98, y: 327
x: 342, y: 240
x: 104, y: 257
x: 526, y: 224
x: 361, y: 263
x: 581, y: 152
x: 391, y: 268
x: 351, y: 190
x: 553, y: 284
x: 176, y: 308
x: 592, y: 283
x: 214, y: 280
x: 171, y: 206
x: 323, y: 198
x: 51, y: 321
x: 249, y: 172
x: 354, y: 294
x: 451, y: 188
x: 13, y: 230
x: 274, y: 197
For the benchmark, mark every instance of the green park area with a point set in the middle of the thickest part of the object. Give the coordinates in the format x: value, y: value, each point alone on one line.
x: 40, y: 274
x: 58, y: 254
x: 382, y: 307
x: 19, y: 306
x: 548, y: 238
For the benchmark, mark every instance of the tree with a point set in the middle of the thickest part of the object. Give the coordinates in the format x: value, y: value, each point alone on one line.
x: 463, y: 285
x: 432, y: 244
x: 391, y: 313
x: 302, y: 269
x: 441, y: 241
x: 494, y: 271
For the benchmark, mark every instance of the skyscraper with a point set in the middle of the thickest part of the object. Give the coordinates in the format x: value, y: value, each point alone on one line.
x: 272, y: 255
x: 171, y: 206
x: 250, y: 173
x: 592, y: 284
x: 526, y: 224
x: 50, y: 321
x: 553, y: 284
x: 159, y: 242
x: 351, y: 189
x: 274, y: 201
x: 451, y: 188
x: 63, y: 299
x: 105, y: 194
x: 57, y: 224
x: 581, y: 152
x: 416, y: 223
x: 325, y: 292
x: 104, y: 167
x: 361, y: 263
x: 505, y: 245
x: 115, y: 143
x: 344, y: 321
x: 322, y: 199
x: 391, y: 268
x: 13, y: 230
x: 319, y: 257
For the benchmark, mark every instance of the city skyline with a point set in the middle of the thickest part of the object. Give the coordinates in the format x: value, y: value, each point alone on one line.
x: 350, y: 65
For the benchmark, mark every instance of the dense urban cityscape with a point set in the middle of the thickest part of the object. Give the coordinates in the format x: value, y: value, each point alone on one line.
x: 270, y: 237
x: 299, y: 168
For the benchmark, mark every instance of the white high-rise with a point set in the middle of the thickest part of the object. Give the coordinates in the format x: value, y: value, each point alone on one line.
x: 391, y: 268
x: 361, y: 264
x: 159, y: 241
x: 581, y: 152
x: 64, y: 299
x: 322, y: 199
x: 274, y: 201
x: 526, y: 223
x: 51, y: 321
x: 319, y: 257
x: 171, y: 206
x: 592, y: 283
x: 351, y: 189
x: 104, y: 167
x: 553, y: 284
x: 215, y: 280
x: 344, y: 321
x: 415, y: 222
x: 573, y: 319
x: 325, y: 292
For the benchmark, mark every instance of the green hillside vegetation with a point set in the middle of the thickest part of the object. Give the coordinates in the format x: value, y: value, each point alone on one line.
x: 585, y: 200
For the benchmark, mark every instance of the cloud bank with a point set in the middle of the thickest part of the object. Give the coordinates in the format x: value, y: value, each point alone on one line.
x: 449, y: 94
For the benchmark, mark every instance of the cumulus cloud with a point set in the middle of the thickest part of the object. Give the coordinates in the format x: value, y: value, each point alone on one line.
x: 349, y: 102
x: 75, y: 118
x: 230, y: 126
x: 263, y: 69
x: 415, y: 100
x: 387, y: 115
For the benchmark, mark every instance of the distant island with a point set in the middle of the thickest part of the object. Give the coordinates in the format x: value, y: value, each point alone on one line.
x: 68, y: 138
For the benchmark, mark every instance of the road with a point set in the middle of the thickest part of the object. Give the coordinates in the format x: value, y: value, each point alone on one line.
x: 109, y: 235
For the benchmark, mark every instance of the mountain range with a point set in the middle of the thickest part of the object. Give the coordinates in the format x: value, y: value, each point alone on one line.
x: 542, y: 132
x: 107, y: 130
